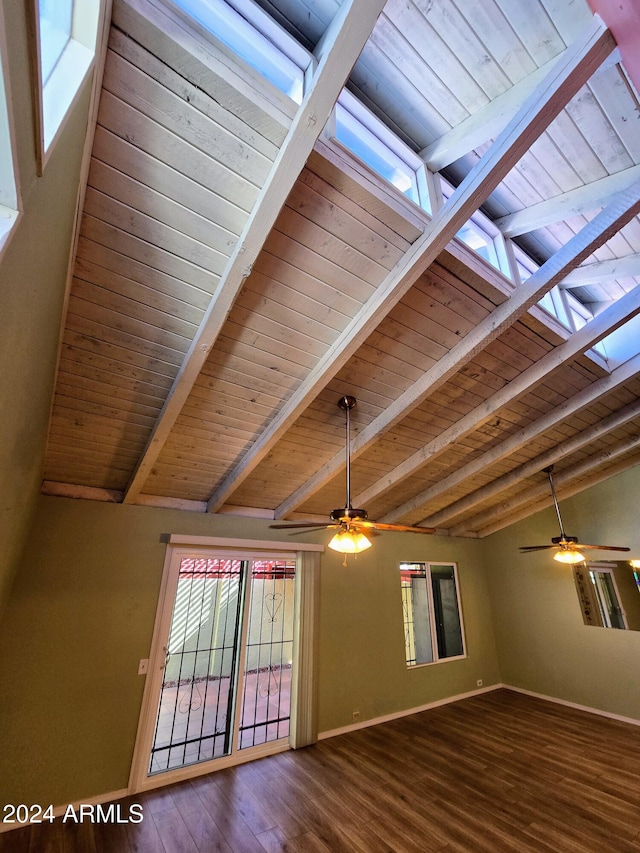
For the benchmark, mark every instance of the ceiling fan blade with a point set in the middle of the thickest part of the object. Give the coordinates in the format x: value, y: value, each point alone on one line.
x: 536, y: 547
x: 580, y: 546
x: 311, y: 529
x: 398, y: 528
x: 310, y: 525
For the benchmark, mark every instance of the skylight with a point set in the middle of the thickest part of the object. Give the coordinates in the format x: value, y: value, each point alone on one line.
x: 65, y: 46
x: 373, y: 143
x: 55, y: 32
x: 256, y: 38
x: 8, y: 190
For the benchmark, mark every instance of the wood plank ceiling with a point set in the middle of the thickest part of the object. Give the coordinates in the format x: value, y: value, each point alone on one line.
x: 236, y: 273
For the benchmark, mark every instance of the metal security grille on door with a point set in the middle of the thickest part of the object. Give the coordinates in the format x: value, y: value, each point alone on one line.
x: 227, y: 674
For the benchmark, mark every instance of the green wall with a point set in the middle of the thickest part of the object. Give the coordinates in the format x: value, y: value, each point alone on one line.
x: 33, y: 270
x: 543, y: 644
x: 81, y: 616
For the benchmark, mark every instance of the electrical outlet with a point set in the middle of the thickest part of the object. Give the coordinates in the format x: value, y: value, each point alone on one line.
x: 143, y: 666
x: 356, y: 715
x: 479, y: 682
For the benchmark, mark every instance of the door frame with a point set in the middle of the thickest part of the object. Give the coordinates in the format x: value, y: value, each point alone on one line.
x: 303, y: 725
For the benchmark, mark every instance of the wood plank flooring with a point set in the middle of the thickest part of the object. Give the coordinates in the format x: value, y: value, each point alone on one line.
x: 497, y: 772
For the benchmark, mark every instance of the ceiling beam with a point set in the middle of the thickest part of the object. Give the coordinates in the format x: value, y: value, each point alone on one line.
x: 487, y: 122
x: 528, y: 469
x: 574, y: 404
x: 568, y: 74
x: 483, y: 125
x: 596, y: 273
x: 527, y: 496
x: 606, y: 322
x: 572, y: 203
x: 580, y: 246
x: 337, y: 52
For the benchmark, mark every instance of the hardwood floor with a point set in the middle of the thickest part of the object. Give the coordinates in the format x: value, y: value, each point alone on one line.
x: 497, y: 772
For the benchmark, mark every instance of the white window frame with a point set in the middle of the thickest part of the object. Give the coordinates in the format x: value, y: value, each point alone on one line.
x: 376, y: 137
x: 255, y: 38
x: 9, y: 199
x: 484, y: 228
x: 432, y: 615
x: 53, y: 100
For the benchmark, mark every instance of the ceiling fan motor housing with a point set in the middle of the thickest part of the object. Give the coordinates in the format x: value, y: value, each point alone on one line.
x: 348, y: 513
x: 559, y: 540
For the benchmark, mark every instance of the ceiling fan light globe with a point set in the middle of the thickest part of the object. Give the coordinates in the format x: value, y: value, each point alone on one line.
x: 349, y: 542
x: 568, y: 555
x: 635, y: 564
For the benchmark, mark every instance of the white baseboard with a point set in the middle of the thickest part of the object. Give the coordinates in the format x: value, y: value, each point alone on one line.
x: 631, y: 720
x: 398, y: 714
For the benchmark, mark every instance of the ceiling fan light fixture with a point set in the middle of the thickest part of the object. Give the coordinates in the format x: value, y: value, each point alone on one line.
x: 635, y: 564
x: 569, y: 555
x: 349, y: 542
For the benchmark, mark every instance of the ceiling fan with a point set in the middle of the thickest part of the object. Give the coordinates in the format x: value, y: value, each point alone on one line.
x: 352, y: 526
x: 568, y: 549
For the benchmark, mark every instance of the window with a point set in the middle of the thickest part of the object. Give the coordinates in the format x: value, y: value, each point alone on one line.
x: 370, y: 140
x: 480, y: 234
x: 432, y: 615
x: 255, y: 37
x: 8, y: 191
x: 65, y: 43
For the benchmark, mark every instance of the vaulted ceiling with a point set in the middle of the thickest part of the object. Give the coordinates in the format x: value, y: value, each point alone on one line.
x: 237, y: 272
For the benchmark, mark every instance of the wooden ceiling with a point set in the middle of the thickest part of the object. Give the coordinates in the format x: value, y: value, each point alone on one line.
x: 236, y: 273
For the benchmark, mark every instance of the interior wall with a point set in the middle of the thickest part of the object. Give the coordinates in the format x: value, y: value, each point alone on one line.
x: 544, y: 645
x: 33, y: 271
x: 81, y: 617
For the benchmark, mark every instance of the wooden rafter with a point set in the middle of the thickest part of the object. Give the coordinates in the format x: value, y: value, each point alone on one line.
x: 589, y: 395
x: 483, y: 125
x: 605, y: 323
x: 510, y: 512
x: 569, y: 73
x: 559, y: 451
x: 595, y: 273
x: 573, y: 203
x: 487, y: 122
x: 337, y: 52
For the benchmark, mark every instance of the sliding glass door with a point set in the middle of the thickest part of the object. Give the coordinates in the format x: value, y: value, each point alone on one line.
x: 226, y: 674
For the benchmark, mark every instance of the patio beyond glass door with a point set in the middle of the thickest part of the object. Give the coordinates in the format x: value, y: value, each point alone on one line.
x: 227, y: 675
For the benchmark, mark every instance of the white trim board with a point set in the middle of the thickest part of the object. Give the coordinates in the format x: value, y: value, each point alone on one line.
x: 396, y: 715
x: 631, y: 720
x: 251, y: 544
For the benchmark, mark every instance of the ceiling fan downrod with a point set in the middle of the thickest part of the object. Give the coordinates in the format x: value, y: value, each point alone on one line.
x: 346, y: 403
x: 563, y: 539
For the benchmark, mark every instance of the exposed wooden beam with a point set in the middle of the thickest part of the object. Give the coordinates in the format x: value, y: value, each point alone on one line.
x: 339, y: 49
x: 580, y: 246
x: 589, y: 395
x: 569, y: 73
x: 560, y: 451
x: 483, y: 125
x: 87, y: 493
x: 573, y: 203
x: 590, y: 465
x: 487, y: 122
x: 606, y: 322
x: 627, y: 267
